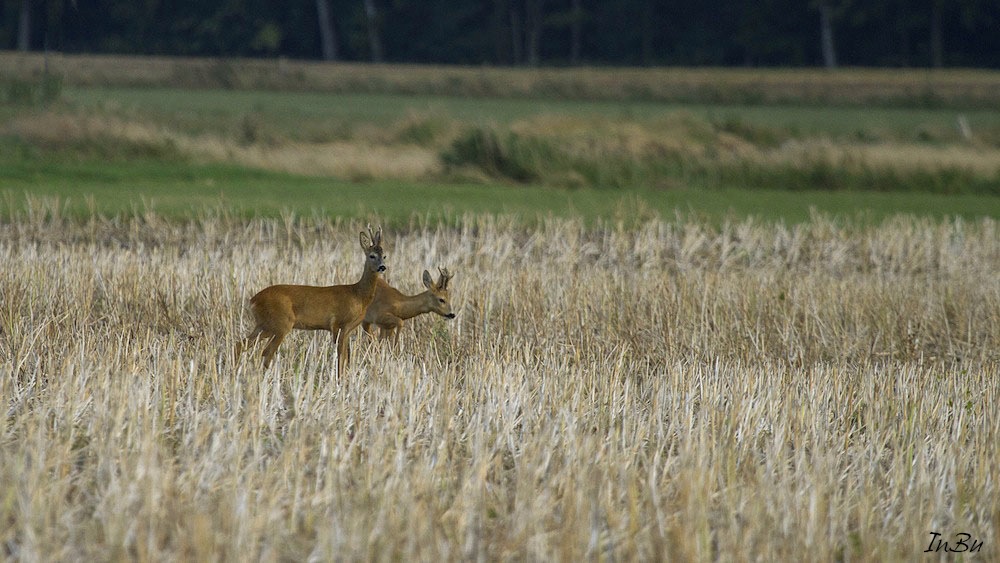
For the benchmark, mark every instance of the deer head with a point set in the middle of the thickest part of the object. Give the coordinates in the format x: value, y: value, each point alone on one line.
x: 371, y: 243
x: 439, y: 293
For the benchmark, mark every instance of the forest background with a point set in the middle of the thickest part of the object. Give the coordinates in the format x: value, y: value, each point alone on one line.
x: 893, y: 33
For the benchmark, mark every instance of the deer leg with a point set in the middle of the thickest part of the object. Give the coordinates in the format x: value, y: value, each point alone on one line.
x: 343, y: 349
x: 272, y: 347
x: 344, y: 343
x: 277, y: 326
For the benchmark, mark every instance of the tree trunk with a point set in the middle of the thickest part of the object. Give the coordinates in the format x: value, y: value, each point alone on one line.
x: 937, y: 41
x: 24, y: 27
x: 500, y: 32
x: 327, y: 33
x: 533, y: 31
x: 826, y: 35
x: 374, y: 40
x: 516, y: 38
x: 646, y: 33
x: 575, y: 32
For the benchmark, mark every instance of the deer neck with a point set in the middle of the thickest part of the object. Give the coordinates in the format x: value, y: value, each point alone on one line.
x: 410, y: 306
x: 365, y: 287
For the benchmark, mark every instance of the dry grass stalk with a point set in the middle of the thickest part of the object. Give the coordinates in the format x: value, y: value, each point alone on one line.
x: 673, y: 390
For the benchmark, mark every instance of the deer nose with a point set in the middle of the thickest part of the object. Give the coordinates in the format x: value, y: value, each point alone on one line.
x: 450, y: 315
x: 381, y: 267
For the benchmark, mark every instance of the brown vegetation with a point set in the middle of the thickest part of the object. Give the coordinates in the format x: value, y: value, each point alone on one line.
x: 824, y: 391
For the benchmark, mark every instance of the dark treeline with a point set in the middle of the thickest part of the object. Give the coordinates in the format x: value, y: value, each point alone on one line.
x: 921, y: 33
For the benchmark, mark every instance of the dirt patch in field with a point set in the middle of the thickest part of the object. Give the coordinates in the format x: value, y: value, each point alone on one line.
x: 342, y: 159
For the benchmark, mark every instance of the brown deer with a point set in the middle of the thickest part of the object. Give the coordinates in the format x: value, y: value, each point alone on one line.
x: 390, y: 307
x: 338, y: 308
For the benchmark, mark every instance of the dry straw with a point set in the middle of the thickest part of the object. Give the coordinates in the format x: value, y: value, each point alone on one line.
x: 824, y: 391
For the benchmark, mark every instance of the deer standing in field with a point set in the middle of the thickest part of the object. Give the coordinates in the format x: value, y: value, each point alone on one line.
x: 390, y: 307
x: 338, y: 308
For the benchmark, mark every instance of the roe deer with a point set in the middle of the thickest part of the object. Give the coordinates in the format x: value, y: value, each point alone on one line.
x: 338, y: 308
x: 390, y: 307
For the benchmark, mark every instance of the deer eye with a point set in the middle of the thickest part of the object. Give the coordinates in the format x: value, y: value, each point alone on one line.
x: 441, y: 300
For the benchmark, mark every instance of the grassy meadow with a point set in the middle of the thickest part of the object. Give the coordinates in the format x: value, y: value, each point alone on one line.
x: 701, y: 315
x: 392, y: 155
x: 122, y: 133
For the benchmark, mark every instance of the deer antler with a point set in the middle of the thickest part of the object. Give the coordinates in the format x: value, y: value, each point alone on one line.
x: 375, y: 235
x: 445, y: 276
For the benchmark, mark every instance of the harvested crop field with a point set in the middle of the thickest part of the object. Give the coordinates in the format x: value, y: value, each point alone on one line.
x: 668, y: 389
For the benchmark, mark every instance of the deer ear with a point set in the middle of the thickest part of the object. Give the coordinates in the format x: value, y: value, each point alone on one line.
x: 428, y: 281
x: 366, y: 241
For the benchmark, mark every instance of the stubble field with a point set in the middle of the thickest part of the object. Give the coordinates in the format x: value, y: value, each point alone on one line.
x: 666, y: 388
